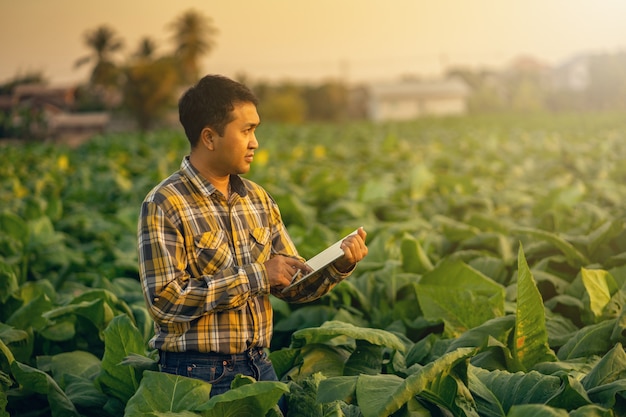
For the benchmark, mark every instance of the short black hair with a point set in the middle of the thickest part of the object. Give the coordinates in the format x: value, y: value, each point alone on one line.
x: 210, y: 103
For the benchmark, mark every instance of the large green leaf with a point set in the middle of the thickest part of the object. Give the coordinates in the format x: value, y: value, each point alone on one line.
x: 440, y: 382
x: 536, y: 410
x: 77, y: 363
x: 121, y: 338
x: 333, y: 329
x: 414, y: 258
x: 460, y: 296
x: 31, y: 314
x: 591, y: 340
x: 247, y: 400
x: 454, y: 230
x: 161, y: 394
x: 530, y: 341
x: 84, y: 393
x: 611, y: 367
x: 337, y: 388
x: 481, y: 336
x: 591, y: 410
x: 495, y: 392
x: 573, y: 255
x: 38, y: 381
x: 283, y: 360
x: 318, y: 357
x: 365, y: 359
x: 608, y: 395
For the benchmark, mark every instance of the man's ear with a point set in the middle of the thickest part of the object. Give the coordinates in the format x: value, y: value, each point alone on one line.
x: 207, y: 136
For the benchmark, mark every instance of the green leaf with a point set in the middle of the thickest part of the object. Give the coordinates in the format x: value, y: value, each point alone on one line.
x: 121, y: 338
x: 454, y: 230
x: 247, y: 400
x: 414, y: 258
x: 608, y: 395
x: 597, y: 286
x: 77, y: 363
x: 497, y: 391
x: 574, y: 257
x: 594, y: 339
x: 161, y: 393
x: 8, y: 281
x: 591, y: 410
x: 318, y: 357
x: 366, y: 359
x: 14, y: 226
x: 302, y: 401
x: 84, y: 393
x: 610, y: 368
x: 9, y: 335
x: 481, y: 336
x: 337, y: 388
x: 283, y: 360
x: 536, y: 410
x: 439, y: 382
x: 460, y: 296
x: 42, y: 383
x: 31, y: 314
x: 530, y: 342
x: 332, y: 329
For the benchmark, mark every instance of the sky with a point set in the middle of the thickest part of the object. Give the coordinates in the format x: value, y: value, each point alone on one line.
x: 352, y: 40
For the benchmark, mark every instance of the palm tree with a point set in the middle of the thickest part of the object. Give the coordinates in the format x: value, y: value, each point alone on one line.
x: 104, y: 42
x: 193, y: 36
x: 146, y: 49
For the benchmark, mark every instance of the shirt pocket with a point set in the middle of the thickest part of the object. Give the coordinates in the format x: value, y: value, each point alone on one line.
x: 211, y: 253
x: 260, y: 244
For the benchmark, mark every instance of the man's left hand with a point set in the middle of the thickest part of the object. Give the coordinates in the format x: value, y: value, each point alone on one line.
x: 354, y: 249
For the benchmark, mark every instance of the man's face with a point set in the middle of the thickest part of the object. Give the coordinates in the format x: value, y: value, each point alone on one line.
x: 234, y: 150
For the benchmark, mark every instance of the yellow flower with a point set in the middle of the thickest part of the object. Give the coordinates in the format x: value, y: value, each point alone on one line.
x: 319, y: 152
x: 63, y: 162
x: 261, y: 157
x: 18, y: 189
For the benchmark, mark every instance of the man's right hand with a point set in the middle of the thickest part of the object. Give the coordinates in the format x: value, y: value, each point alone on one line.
x: 281, y: 269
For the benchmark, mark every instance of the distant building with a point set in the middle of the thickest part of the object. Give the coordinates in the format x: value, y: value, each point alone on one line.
x: 56, y: 105
x: 573, y: 74
x: 409, y: 99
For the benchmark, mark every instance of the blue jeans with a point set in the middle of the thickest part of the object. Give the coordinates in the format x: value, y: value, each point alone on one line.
x: 218, y: 369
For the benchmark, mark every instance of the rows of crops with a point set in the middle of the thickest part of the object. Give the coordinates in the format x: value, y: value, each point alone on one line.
x: 493, y: 287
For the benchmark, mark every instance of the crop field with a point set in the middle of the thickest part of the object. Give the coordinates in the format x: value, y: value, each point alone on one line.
x: 494, y: 285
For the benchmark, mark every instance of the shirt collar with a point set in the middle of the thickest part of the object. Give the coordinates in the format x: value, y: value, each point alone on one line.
x: 236, y: 183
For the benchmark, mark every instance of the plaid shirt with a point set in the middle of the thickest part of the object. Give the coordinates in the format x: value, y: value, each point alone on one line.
x: 201, y: 261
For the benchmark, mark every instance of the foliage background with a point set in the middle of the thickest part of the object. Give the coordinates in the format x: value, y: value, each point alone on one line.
x: 497, y: 260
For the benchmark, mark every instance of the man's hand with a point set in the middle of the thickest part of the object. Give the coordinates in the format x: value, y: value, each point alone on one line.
x: 281, y: 269
x: 354, y: 249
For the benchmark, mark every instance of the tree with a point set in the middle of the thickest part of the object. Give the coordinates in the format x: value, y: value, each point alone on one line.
x: 193, y: 36
x: 149, y: 90
x: 327, y: 102
x: 146, y: 49
x: 104, y: 42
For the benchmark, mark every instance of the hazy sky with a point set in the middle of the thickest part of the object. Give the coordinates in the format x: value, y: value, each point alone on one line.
x: 299, y: 39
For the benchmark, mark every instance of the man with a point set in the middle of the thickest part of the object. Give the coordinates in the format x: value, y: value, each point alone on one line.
x: 212, y: 247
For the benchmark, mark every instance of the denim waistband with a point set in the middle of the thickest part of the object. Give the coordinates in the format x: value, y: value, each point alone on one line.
x: 199, y: 357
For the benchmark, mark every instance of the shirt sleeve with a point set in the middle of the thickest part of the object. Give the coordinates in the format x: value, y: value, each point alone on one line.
x: 283, y: 245
x: 171, y: 293
x: 315, y: 287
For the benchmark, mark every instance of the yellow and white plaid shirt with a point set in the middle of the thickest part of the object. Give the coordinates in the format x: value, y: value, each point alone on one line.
x: 201, y: 261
